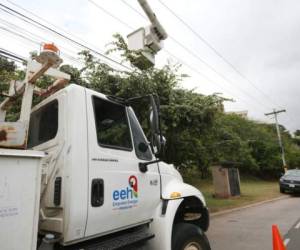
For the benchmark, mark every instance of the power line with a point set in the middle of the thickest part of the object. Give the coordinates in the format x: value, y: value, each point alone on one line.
x: 26, y: 38
x: 59, y: 28
x: 111, y: 15
x: 214, y: 50
x: 64, y: 54
x: 180, y: 44
x: 213, y: 69
x: 18, y: 14
x: 31, y: 40
x: 175, y: 57
x: 11, y: 55
x: 128, y: 26
x: 211, y: 47
x: 19, y: 35
x: 41, y: 39
x: 70, y: 57
x: 204, y: 76
x: 136, y: 11
x: 58, y: 33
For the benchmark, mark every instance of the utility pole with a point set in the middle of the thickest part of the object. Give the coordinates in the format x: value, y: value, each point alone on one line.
x: 275, y: 113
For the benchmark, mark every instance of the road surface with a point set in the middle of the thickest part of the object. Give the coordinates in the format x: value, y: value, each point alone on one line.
x: 251, y: 228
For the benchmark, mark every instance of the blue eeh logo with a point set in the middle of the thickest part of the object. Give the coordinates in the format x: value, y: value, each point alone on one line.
x: 128, y: 195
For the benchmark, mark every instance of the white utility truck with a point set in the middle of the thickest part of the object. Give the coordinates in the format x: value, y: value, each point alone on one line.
x: 77, y: 172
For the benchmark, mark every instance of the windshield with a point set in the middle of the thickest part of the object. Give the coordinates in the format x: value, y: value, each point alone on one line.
x: 293, y: 173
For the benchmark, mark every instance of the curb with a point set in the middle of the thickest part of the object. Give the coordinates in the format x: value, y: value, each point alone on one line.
x: 228, y: 211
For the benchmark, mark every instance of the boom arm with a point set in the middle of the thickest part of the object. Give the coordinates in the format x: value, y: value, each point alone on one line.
x: 159, y: 30
x: 147, y: 41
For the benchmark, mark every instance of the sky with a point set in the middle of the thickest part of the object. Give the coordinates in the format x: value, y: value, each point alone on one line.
x: 255, y: 57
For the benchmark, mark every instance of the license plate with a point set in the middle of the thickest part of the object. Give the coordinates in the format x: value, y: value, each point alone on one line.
x: 292, y: 185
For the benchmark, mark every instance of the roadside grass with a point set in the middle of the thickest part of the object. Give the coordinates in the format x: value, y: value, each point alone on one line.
x: 252, y: 190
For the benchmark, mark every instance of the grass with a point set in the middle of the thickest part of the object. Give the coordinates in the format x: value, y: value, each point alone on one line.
x: 252, y: 190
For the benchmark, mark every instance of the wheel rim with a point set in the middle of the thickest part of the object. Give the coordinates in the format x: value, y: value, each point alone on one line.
x: 192, y: 246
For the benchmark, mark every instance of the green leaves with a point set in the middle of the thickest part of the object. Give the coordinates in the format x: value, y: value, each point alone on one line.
x: 197, y: 130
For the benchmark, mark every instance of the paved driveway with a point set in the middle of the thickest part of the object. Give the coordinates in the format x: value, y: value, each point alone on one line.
x: 251, y: 228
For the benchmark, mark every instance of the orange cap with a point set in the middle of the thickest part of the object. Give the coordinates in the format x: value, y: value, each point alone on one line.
x: 50, y: 46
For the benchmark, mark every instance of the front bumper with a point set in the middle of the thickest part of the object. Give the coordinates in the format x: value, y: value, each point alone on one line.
x: 290, y: 187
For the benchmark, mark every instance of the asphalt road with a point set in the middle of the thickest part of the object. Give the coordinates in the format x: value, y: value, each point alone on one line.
x: 251, y: 228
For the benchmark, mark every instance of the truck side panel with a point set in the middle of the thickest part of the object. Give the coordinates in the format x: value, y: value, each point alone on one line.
x: 76, y: 172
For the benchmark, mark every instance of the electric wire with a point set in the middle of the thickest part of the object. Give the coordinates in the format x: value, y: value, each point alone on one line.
x: 206, y: 77
x: 215, y: 51
x: 181, y: 45
x: 38, y: 39
x: 11, y: 55
x: 63, y: 53
x: 128, y: 26
x: 211, y: 47
x: 35, y: 42
x: 75, y: 37
x: 98, y: 6
x: 183, y: 62
x: 192, y: 53
x: 202, y: 39
x: 22, y: 16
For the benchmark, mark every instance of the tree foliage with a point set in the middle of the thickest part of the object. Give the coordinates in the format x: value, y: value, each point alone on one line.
x: 198, y: 131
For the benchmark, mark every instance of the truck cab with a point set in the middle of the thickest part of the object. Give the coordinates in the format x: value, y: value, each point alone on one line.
x: 101, y: 180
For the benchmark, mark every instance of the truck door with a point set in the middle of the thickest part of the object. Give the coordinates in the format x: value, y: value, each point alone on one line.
x: 120, y: 195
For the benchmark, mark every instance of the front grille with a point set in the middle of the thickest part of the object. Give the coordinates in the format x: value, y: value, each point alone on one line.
x: 292, y: 182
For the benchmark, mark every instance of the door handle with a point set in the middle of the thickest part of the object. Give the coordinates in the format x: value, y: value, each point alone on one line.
x: 97, y: 192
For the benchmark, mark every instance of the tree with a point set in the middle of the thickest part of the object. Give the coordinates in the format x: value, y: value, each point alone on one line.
x: 7, y: 73
x: 185, y: 115
x: 197, y: 130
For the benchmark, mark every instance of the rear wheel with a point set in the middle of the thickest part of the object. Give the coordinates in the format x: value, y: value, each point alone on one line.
x: 189, y: 237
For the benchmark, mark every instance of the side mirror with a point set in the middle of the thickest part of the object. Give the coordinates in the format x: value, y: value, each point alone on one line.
x: 160, y: 141
x: 154, y: 116
x: 157, y: 140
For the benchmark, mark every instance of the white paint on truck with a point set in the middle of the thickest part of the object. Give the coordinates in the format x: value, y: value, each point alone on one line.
x: 90, y: 142
x: 19, y: 198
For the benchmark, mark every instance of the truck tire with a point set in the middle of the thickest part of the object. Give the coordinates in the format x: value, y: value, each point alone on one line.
x: 188, y: 236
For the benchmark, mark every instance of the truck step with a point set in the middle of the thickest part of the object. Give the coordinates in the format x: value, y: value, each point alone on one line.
x: 126, y: 240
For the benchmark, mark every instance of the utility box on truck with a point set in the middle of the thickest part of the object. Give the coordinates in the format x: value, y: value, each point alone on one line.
x: 19, y: 198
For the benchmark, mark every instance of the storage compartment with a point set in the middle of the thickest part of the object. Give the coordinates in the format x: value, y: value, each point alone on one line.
x: 20, y: 177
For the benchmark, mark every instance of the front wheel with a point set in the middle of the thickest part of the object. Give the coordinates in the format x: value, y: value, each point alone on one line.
x: 189, y: 237
x: 282, y: 190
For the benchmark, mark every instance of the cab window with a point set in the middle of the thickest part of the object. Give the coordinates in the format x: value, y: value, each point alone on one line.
x: 112, y: 127
x: 141, y: 145
x: 43, y: 124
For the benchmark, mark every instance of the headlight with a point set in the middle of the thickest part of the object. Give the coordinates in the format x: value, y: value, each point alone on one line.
x: 281, y: 179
